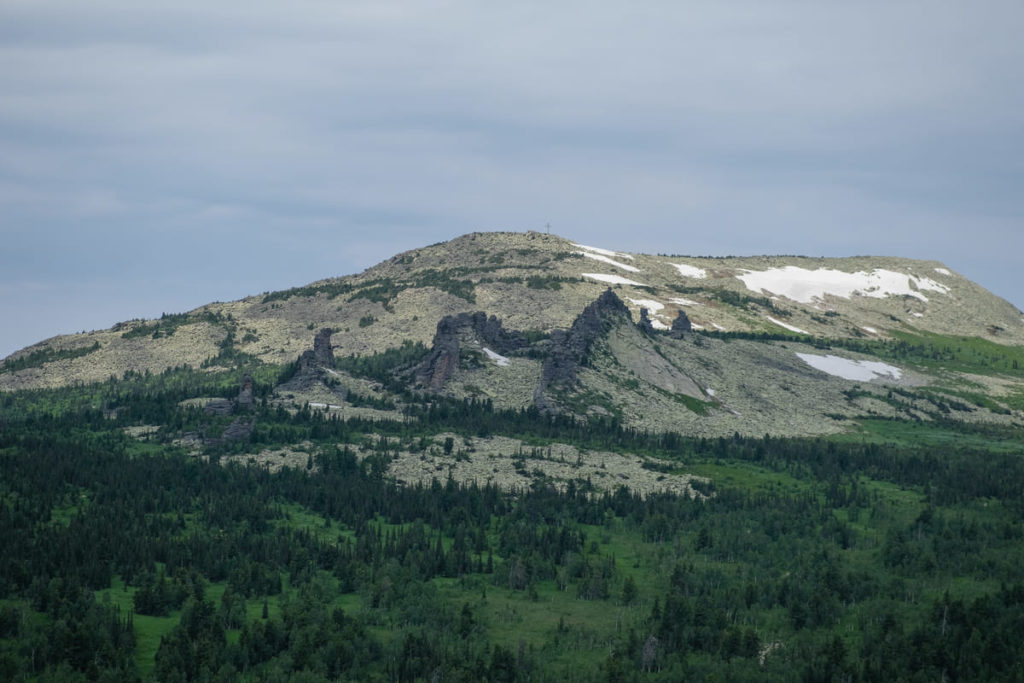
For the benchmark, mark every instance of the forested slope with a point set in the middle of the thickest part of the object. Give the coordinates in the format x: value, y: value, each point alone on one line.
x: 128, y: 557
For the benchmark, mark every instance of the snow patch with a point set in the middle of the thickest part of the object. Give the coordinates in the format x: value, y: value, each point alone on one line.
x: 690, y: 271
x: 857, y: 370
x: 496, y: 357
x: 658, y: 325
x: 612, y: 279
x: 709, y: 391
x: 869, y: 329
x: 333, y: 372
x: 696, y: 326
x: 685, y: 302
x: 942, y: 271
x: 649, y: 304
x: 791, y: 328
x: 606, y: 252
x: 718, y: 327
x: 917, y: 315
x: 605, y: 259
x: 328, y: 406
x: 804, y: 286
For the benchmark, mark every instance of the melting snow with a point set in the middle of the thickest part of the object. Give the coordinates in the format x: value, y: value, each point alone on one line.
x: 496, y: 357
x: 788, y: 327
x: 800, y: 284
x: 942, y: 271
x: 606, y: 252
x: 612, y: 279
x: 605, y: 259
x: 685, y: 302
x: 858, y: 370
x: 690, y: 271
x: 649, y: 304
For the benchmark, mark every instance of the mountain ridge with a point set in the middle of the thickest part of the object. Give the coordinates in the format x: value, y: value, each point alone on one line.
x: 534, y: 281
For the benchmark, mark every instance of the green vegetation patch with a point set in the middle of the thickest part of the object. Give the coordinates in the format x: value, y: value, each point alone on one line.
x: 38, y: 358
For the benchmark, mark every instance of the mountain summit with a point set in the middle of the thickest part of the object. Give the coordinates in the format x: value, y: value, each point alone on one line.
x: 706, y: 345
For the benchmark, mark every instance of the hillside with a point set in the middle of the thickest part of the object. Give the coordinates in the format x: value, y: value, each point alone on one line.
x: 770, y: 346
x: 492, y: 459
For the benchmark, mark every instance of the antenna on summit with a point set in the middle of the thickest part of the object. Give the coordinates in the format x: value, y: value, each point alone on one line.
x: 547, y: 226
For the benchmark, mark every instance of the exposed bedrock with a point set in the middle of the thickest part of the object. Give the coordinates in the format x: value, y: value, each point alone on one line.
x: 453, y: 331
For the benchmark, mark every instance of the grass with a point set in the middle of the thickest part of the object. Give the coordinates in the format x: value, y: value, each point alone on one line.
x: 148, y: 630
x: 907, y: 433
x: 941, y: 352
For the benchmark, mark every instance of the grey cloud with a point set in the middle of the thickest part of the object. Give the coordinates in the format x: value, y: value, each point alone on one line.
x: 135, y: 133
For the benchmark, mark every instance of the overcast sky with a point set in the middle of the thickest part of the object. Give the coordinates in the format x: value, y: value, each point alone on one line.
x: 155, y: 156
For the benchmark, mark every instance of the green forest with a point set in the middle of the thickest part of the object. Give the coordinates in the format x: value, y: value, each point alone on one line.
x: 892, y: 555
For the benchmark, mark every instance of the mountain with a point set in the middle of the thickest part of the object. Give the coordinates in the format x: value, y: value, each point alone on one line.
x: 510, y: 457
x: 774, y: 344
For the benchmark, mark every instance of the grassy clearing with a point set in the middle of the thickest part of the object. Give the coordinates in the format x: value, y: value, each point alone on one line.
x: 299, y: 518
x: 148, y: 630
x: 905, y: 433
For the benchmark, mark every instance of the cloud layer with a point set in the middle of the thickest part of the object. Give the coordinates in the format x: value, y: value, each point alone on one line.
x: 157, y: 155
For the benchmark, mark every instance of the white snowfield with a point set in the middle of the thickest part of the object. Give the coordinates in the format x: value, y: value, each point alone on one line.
x: 658, y: 325
x: 857, y: 370
x: 612, y: 279
x: 605, y: 252
x: 791, y: 328
x: 800, y: 284
x: 650, y: 304
x: 612, y: 262
x: 942, y: 271
x: 496, y: 357
x: 685, y: 302
x: 690, y: 271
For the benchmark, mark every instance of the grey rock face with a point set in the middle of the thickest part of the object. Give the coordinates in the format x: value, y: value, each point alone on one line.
x: 313, y: 363
x: 680, y: 325
x: 452, y: 332
x: 239, y: 428
x: 219, y: 406
x: 246, y: 399
x: 569, y: 350
x: 645, y: 324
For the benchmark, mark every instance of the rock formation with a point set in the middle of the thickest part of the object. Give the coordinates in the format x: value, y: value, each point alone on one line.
x: 453, y: 331
x: 569, y: 350
x: 680, y: 325
x: 312, y: 365
x: 246, y: 398
x: 645, y: 324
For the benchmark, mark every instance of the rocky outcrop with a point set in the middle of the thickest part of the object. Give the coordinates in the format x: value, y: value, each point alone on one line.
x: 240, y: 428
x: 246, y: 397
x: 680, y: 325
x: 570, y: 349
x: 645, y: 324
x: 321, y: 355
x: 313, y: 364
x: 453, y: 332
x: 219, y: 406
